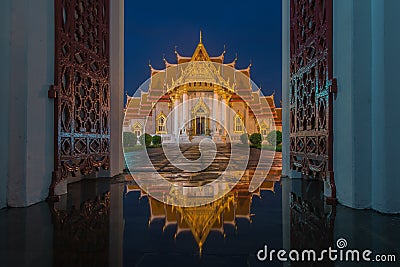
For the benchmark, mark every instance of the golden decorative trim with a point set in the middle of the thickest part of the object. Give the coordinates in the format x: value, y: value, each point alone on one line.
x: 199, y: 105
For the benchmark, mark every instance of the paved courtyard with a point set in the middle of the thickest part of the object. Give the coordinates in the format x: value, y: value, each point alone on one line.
x: 212, y: 169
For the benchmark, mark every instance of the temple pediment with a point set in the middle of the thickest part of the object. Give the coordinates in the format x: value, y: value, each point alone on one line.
x: 200, y: 54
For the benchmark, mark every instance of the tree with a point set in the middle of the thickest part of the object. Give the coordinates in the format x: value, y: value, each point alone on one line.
x: 156, y: 140
x: 145, y: 139
x: 129, y: 139
x: 274, y: 138
x: 244, y: 138
x: 256, y: 139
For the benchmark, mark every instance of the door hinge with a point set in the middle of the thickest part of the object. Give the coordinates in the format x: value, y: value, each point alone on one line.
x: 52, y: 92
x: 334, y: 87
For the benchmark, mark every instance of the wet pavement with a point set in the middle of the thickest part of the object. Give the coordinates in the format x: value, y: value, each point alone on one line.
x: 112, y: 222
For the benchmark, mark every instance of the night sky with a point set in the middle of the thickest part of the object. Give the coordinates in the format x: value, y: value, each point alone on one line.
x: 252, y: 29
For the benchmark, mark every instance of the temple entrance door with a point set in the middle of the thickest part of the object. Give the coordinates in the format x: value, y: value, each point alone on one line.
x: 200, y: 125
x: 81, y: 90
x: 311, y: 89
x: 200, y: 113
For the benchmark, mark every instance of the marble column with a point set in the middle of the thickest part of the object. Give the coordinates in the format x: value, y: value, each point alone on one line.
x: 219, y: 111
x: 224, y: 110
x: 245, y: 121
x: 185, y: 112
x: 117, y: 161
x: 180, y: 116
x: 214, y: 111
x: 176, y: 117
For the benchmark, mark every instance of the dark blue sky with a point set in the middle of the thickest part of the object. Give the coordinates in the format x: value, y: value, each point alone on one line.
x: 252, y: 29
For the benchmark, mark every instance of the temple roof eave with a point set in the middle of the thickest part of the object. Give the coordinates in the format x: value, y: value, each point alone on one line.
x: 181, y: 59
x: 154, y: 71
x: 218, y: 59
x: 168, y: 64
x: 246, y: 71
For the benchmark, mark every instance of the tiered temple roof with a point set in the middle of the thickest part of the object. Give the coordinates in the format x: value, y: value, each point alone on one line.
x: 163, y: 82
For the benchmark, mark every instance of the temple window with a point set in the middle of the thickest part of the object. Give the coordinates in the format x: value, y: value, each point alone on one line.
x: 264, y: 128
x: 238, y: 123
x: 264, y: 131
x: 137, y: 129
x: 161, y: 124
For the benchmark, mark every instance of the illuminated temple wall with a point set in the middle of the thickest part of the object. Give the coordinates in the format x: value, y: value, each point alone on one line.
x: 271, y: 120
x: 201, y: 81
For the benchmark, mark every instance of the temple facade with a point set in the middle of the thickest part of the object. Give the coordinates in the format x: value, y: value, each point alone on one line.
x: 201, y: 97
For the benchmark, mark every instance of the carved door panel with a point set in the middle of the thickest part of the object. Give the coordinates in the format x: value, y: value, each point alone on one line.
x: 81, y: 88
x: 311, y: 88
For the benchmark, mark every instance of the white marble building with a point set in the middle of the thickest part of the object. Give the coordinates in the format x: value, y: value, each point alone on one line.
x: 201, y: 96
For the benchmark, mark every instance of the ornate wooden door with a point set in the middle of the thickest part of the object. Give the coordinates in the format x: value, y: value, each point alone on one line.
x: 311, y: 88
x: 81, y: 88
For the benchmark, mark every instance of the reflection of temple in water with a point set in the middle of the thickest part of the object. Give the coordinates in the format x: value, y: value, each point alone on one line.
x: 213, y: 217
x: 95, y: 225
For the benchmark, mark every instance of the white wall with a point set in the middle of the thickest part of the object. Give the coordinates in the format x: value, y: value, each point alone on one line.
x: 28, y: 72
x: 352, y: 108
x: 366, y: 42
x: 5, y: 8
x: 385, y: 107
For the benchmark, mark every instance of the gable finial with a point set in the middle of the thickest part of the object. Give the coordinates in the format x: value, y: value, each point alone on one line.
x: 127, y: 97
x: 201, y: 37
